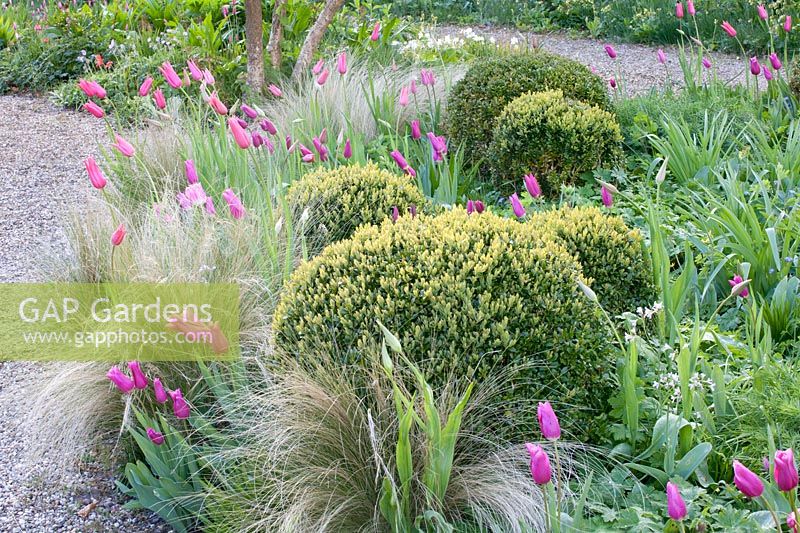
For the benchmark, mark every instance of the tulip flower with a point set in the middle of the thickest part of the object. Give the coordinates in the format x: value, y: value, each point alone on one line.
x: 613, y: 83
x: 179, y: 405
x: 84, y: 86
x: 479, y: 207
x: 402, y: 163
x: 706, y: 63
x: 275, y: 90
x: 730, y: 30
x: 775, y: 61
x: 679, y: 10
x: 427, y: 77
x: 791, y: 522
x: 662, y: 57
x: 736, y: 280
x: 690, y: 7
x: 317, y: 68
x: 208, y: 77
x: 412, y: 87
x: 210, y: 209
x: 767, y: 72
x: 116, y: 239
x: 755, y: 66
x: 123, y: 146
x: 395, y: 213
x: 438, y: 145
x: 123, y: 382
x: 158, y: 96
x: 140, y: 381
x: 156, y: 437
x: 787, y: 24
x: 187, y: 81
x: 269, y: 127
x: 258, y: 140
x: 323, y: 135
x: 746, y: 481
x: 341, y: 65
x: 322, y: 150
x: 217, y: 105
x: 606, y: 196
x: 92, y: 89
x: 289, y: 143
x: 235, y: 205
x: 376, y: 32
x: 239, y: 133
x: 610, y: 51
x: 548, y: 421
x: 516, y: 206
x: 191, y: 171
x: 403, y: 100
x: 532, y: 185
x: 304, y: 150
x: 242, y: 122
x: 249, y: 111
x: 322, y: 78
x: 765, y: 464
x: 144, y: 88
x: 348, y: 150
x: 412, y: 210
x: 676, y: 507
x: 170, y: 75
x: 94, y: 109
x: 95, y: 175
x: 540, y: 464
x: 416, y: 133
x: 785, y: 470
x: 762, y: 12
x: 470, y: 207
x: 307, y: 158
x: 161, y: 394
x: 194, y: 70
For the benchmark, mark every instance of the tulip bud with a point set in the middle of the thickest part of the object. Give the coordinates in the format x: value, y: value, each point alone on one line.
x: 348, y: 150
x: 791, y: 522
x: 787, y: 24
x: 94, y: 109
x: 239, y: 133
x: 376, y: 32
x: 470, y: 207
x: 676, y: 507
x: 404, y: 98
x: 235, y: 205
x: 728, y: 28
x: 179, y: 405
x: 587, y: 291
x: 775, y: 61
x: 161, y: 394
x: 785, y: 470
x: 610, y: 51
x: 275, y: 90
x: 158, y: 96
x: 170, y: 75
x: 144, y: 88
x: 249, y: 111
x: 208, y: 77
x: 532, y: 185
x: 662, y: 57
x: 706, y: 63
x: 194, y: 70
x: 322, y: 78
x: 479, y: 207
x: 416, y: 132
x: 191, y: 171
x: 746, y: 481
x: 762, y: 12
x: 755, y: 67
x: 679, y: 10
x: 95, y: 175
x: 217, y: 105
x: 690, y: 7
x: 317, y: 68
x: 605, y: 195
x: 156, y: 437
x: 123, y: 146
x: 516, y: 206
x: 342, y: 64
x: 739, y: 286
x: 123, y: 382
x: 269, y: 127
x: 139, y: 379
x: 540, y: 464
x: 548, y: 421
x: 117, y: 237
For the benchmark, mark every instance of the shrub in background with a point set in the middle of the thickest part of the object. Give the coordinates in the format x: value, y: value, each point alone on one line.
x: 466, y: 295
x: 490, y: 84
x: 611, y: 254
x: 558, y: 138
x: 342, y: 199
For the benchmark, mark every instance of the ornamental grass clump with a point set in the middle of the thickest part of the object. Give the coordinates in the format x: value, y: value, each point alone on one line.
x: 553, y: 136
x: 490, y: 84
x: 611, y: 254
x: 340, y: 200
x: 465, y: 294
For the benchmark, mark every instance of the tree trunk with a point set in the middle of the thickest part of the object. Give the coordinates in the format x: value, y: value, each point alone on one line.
x: 276, y: 34
x: 315, y: 36
x: 254, y: 38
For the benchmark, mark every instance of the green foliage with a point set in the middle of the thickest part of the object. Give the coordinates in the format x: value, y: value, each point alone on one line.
x: 466, y: 294
x: 342, y: 199
x: 557, y: 138
x: 611, y: 255
x: 491, y: 83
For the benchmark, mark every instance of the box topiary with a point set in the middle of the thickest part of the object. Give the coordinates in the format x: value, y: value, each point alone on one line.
x: 491, y: 83
x: 468, y: 296
x: 342, y: 199
x: 555, y: 137
x: 612, y: 255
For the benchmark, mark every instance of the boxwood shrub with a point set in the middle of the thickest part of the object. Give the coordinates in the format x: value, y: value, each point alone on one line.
x: 611, y: 254
x: 491, y: 83
x: 468, y: 296
x: 555, y: 137
x: 342, y: 199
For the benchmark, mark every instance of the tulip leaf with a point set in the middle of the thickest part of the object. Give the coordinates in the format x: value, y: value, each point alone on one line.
x: 692, y: 460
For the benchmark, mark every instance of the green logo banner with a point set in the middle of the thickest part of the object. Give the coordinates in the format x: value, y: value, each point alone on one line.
x: 114, y: 321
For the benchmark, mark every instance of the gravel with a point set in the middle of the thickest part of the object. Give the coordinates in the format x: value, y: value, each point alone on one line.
x: 41, y: 172
x: 637, y: 64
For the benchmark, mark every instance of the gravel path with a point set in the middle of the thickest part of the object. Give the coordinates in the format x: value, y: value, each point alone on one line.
x: 637, y: 63
x: 41, y: 172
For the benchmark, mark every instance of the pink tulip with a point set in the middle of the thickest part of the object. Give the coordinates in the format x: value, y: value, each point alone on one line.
x: 275, y: 90
x: 144, y: 88
x: 427, y: 77
x: 730, y: 30
x: 479, y: 207
x: 217, y: 105
x: 191, y: 171
x: 179, y: 405
x: 249, y: 111
x: 412, y: 87
x: 307, y: 158
x: 762, y: 12
x: 322, y: 150
x: 791, y: 522
x: 690, y: 7
x: 317, y: 68
x: 404, y: 98
x: 194, y: 70
x: 94, y: 109
x: 736, y: 280
x: 676, y: 507
x: 532, y: 185
x: 679, y: 10
x: 662, y: 57
x: 395, y: 213
x: 610, y: 51
x: 84, y: 86
x: 746, y: 481
x: 242, y: 123
x: 342, y: 63
x: 376, y: 32
x: 208, y: 77
x: 540, y: 464
x: 92, y: 89
x: 348, y: 150
x: 613, y: 83
x: 323, y: 135
x: 402, y: 163
x: 156, y: 437
x: 787, y: 24
x: 235, y: 205
x: 438, y: 146
x: 269, y: 127
x: 123, y: 146
x: 548, y: 421
x: 187, y: 81
x: 322, y: 78
x: 170, y: 75
x: 470, y: 207
x: 785, y: 470
x: 606, y: 197
x: 158, y: 96
x: 116, y: 239
x: 775, y: 61
x: 416, y: 132
x: 95, y: 175
x: 258, y: 140
x: 140, y: 381
x: 755, y: 66
x: 161, y: 394
x: 288, y: 142
x: 210, y: 209
x: 239, y: 133
x: 516, y: 206
x: 706, y: 63
x: 767, y: 72
x: 123, y: 382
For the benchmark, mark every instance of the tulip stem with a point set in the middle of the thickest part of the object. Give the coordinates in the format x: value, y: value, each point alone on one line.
x: 772, y: 512
x: 558, y: 477
x: 683, y: 528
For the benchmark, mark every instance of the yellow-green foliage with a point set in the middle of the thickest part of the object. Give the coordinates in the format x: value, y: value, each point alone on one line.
x: 342, y: 199
x: 467, y: 296
x: 557, y: 138
x: 611, y: 254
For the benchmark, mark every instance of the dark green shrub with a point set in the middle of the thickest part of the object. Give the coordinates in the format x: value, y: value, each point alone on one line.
x: 490, y: 84
x: 342, y: 199
x: 468, y: 296
x: 555, y: 137
x: 611, y: 254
